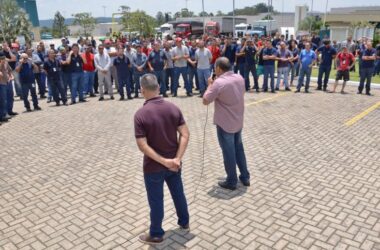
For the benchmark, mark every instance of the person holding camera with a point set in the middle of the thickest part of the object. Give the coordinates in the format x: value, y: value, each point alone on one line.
x: 26, y: 70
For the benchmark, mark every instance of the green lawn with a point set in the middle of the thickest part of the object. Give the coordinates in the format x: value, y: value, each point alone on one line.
x: 354, y: 76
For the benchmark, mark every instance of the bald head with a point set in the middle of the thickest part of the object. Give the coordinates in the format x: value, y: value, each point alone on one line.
x: 223, y: 64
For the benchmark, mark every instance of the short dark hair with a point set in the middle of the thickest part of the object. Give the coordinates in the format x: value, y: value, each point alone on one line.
x: 149, y: 82
x: 223, y: 63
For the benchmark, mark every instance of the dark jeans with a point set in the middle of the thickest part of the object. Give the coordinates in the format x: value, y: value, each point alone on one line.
x: 365, y: 76
x: 125, y: 82
x: 26, y: 87
x: 154, y: 184
x: 233, y: 153
x: 192, y: 73
x: 136, y: 77
x: 377, y: 67
x: 169, y: 73
x: 304, y: 71
x: 66, y: 79
x: 178, y: 71
x: 40, y: 79
x: 268, y: 72
x: 323, y: 70
x: 160, y: 75
x: 240, y: 68
x: 58, y: 90
x: 3, y: 100
x: 250, y: 69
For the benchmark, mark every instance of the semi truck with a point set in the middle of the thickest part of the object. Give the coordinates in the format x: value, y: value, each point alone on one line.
x: 261, y: 27
x: 218, y: 26
x: 189, y: 29
x: 167, y: 29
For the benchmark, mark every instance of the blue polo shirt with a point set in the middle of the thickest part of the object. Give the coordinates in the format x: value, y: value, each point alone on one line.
x: 240, y: 59
x: 327, y: 55
x: 121, y: 65
x: 53, y: 69
x: 269, y: 52
x: 26, y: 73
x: 230, y: 53
x: 76, y: 64
x: 307, y: 57
x: 192, y: 55
x: 157, y: 60
x: 250, y: 53
x: 370, y: 63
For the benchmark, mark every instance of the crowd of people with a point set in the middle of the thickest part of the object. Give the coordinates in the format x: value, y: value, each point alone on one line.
x: 73, y: 73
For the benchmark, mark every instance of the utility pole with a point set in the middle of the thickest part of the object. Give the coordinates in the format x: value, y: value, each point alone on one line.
x: 233, y: 18
x: 104, y: 10
x: 203, y: 15
x: 324, y: 19
x: 186, y: 4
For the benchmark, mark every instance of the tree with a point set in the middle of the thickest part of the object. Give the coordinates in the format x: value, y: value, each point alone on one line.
x: 186, y: 13
x: 311, y: 23
x: 254, y: 10
x: 59, y: 26
x: 14, y: 22
x: 220, y: 13
x: 86, y: 21
x: 203, y: 13
x: 45, y: 29
x: 139, y: 21
x: 160, y: 18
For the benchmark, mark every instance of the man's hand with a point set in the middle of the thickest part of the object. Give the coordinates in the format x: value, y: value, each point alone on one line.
x: 210, y: 81
x: 172, y: 165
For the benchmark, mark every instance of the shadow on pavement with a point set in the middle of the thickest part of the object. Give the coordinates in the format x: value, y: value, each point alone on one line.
x: 224, y: 194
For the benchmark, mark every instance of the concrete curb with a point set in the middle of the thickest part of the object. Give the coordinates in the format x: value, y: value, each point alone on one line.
x: 349, y: 83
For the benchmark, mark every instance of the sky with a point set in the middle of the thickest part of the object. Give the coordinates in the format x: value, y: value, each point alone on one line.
x: 47, y: 8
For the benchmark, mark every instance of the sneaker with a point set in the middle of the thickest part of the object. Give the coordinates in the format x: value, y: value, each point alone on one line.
x: 165, y: 96
x: 147, y: 239
x: 307, y: 91
x: 57, y: 104
x: 359, y: 93
x: 273, y: 91
x: 189, y: 94
x: 257, y: 90
x: 277, y: 89
x: 185, y: 228
x: 246, y: 183
x: 13, y: 113
x: 288, y: 89
x: 37, y: 108
x: 101, y: 98
x: 92, y: 95
x: 130, y: 98
x: 121, y: 98
x: 225, y: 185
x: 136, y: 96
x: 83, y: 100
x: 297, y: 91
x: 318, y: 88
x: 112, y: 98
x: 72, y: 103
x: 369, y: 94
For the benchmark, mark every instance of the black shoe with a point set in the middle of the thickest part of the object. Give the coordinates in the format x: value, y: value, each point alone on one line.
x: 83, y: 100
x: 175, y: 95
x: 72, y: 103
x: 318, y: 88
x: 101, y: 98
x: 136, y: 96
x: 28, y: 110
x: 121, y: 98
x: 185, y: 228
x: 324, y: 89
x: 272, y: 91
x: 257, y: 90
x: 288, y: 89
x: 130, y: 98
x: 277, y: 89
x: 96, y: 92
x: 42, y: 96
x: 265, y: 90
x: 307, y: 91
x: 92, y: 95
x: 224, y: 184
x: 37, y: 108
x: 65, y: 104
x: 246, y: 183
x: 13, y: 113
x: 4, y: 119
x: 147, y: 239
x: 297, y: 91
x: 189, y: 94
x: 57, y: 104
x: 165, y: 96
x: 106, y: 92
x: 359, y: 93
x: 369, y: 94
x: 112, y: 98
x: 49, y: 100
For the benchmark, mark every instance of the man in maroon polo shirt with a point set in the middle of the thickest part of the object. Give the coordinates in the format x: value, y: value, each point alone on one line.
x: 157, y: 125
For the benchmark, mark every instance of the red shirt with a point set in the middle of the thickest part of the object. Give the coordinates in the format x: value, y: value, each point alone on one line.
x: 345, y: 60
x: 215, y: 52
x: 89, y: 64
x: 158, y: 121
x: 146, y: 51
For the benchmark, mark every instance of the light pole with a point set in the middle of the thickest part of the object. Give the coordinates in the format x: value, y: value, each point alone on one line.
x: 104, y: 10
x: 324, y: 19
x: 203, y: 15
x: 233, y: 18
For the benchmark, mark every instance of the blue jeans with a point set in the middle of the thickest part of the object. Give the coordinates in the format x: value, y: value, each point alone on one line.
x: 323, y: 69
x: 365, y: 76
x: 66, y: 79
x: 293, y: 71
x: 136, y: 77
x: 203, y: 76
x: 58, y: 91
x: 41, y: 84
x: 240, y: 68
x: 304, y: 71
x: 26, y: 87
x: 160, y: 75
x: 192, y: 73
x: 250, y: 69
x: 282, y: 71
x: 169, y: 73
x: 154, y: 184
x: 10, y: 98
x: 125, y: 82
x: 77, y: 86
x: 233, y: 154
x: 3, y: 100
x: 178, y: 71
x: 268, y: 71
x: 377, y: 67
x: 89, y: 79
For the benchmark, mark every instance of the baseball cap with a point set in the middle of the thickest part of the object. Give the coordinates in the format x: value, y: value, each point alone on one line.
x: 178, y: 40
x: 15, y: 45
x: 107, y: 41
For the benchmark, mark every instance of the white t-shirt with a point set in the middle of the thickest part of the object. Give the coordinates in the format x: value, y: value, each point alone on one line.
x: 203, y: 58
x: 180, y: 52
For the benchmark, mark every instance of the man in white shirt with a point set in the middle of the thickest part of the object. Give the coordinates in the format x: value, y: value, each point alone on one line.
x: 103, y: 65
x: 180, y: 56
x: 203, y: 57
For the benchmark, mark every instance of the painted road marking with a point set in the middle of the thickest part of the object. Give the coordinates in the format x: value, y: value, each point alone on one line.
x: 266, y: 99
x: 362, y: 114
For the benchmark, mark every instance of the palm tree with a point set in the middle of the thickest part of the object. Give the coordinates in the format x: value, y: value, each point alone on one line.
x: 13, y: 21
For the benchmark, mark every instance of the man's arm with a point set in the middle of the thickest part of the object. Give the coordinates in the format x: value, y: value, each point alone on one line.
x: 152, y: 154
x: 184, y: 135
